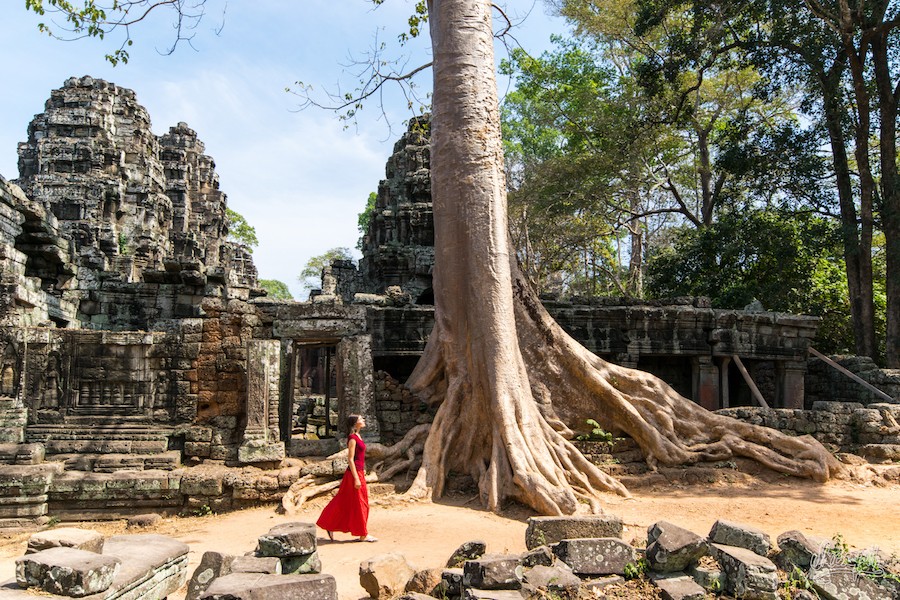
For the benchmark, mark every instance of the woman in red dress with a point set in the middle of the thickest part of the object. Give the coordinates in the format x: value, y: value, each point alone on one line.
x: 348, y: 511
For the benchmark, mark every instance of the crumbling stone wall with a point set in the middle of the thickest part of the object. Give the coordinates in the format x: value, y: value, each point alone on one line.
x: 871, y: 431
x: 825, y: 383
x: 398, y: 248
x: 141, y: 218
x: 398, y: 409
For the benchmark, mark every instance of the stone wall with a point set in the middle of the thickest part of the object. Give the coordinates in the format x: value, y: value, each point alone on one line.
x: 825, y: 383
x: 397, y: 408
x: 871, y: 431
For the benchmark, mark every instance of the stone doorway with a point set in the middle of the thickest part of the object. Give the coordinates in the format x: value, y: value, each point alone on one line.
x: 314, y: 397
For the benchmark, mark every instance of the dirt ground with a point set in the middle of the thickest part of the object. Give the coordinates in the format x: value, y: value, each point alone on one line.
x: 427, y: 533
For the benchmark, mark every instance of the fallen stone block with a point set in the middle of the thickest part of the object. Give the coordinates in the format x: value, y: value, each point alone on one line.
x: 679, y: 588
x: 256, y: 564
x: 747, y: 574
x: 555, y: 582
x: 842, y: 582
x: 386, y: 575
x: 467, y: 551
x: 212, y: 566
x: 546, y: 531
x: 142, y: 521
x: 797, y: 550
x: 709, y: 578
x: 542, y: 555
x: 596, y: 556
x: 66, y: 537
x: 425, y: 581
x: 451, y: 583
x: 493, y: 573
x: 67, y: 571
x: 476, y: 594
x: 596, y: 586
x: 258, y: 586
x: 300, y: 565
x: 288, y: 539
x: 671, y: 548
x: 416, y: 596
x: 741, y: 536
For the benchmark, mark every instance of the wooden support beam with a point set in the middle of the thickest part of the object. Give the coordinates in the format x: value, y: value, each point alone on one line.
x: 755, y: 390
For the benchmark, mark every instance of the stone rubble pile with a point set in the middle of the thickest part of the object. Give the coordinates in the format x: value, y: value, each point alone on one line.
x: 77, y: 563
x: 567, y: 558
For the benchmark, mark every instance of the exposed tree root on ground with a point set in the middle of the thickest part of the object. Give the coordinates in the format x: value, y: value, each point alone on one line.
x: 516, y: 447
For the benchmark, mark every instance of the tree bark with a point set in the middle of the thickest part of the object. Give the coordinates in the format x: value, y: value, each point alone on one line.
x: 890, y: 190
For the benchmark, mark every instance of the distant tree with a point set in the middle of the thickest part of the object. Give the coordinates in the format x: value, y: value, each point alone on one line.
x: 311, y: 275
x: 239, y: 231
x: 364, y: 218
x: 277, y: 290
x: 791, y: 263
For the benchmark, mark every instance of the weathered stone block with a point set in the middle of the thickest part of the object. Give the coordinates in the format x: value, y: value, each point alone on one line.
x: 843, y: 583
x: 212, y: 565
x: 596, y: 556
x: 425, y: 581
x: 557, y: 581
x: 288, y: 539
x: 467, y: 551
x: 476, y: 594
x: 546, y: 531
x: 68, y: 537
x: 797, y: 550
x: 542, y: 555
x: 742, y: 536
x: 679, y: 588
x: 300, y: 565
x: 671, y: 548
x: 254, y: 586
x: 67, y: 571
x: 451, y: 583
x: 256, y: 564
x: 493, y: 573
x: 385, y: 576
x: 747, y: 574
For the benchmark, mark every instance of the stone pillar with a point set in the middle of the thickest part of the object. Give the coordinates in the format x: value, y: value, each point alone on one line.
x: 706, y: 382
x: 790, y: 384
x: 355, y: 374
x: 261, y: 436
x: 723, y: 381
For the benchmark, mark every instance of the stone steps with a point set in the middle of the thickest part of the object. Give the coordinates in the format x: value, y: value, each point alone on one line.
x: 110, y: 463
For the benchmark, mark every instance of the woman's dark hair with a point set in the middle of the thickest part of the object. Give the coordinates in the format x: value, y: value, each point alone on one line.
x: 351, y: 423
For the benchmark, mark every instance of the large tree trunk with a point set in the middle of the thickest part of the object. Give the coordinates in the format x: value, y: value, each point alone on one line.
x: 888, y: 94
x: 502, y: 369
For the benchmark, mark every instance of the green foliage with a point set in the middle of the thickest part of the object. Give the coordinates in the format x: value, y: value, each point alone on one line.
x: 797, y: 580
x: 792, y: 263
x: 239, y: 231
x: 597, y: 433
x: 277, y: 290
x: 311, y: 275
x: 364, y: 218
x: 636, y: 570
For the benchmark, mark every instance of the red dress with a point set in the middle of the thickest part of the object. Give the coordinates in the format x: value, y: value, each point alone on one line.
x: 348, y: 511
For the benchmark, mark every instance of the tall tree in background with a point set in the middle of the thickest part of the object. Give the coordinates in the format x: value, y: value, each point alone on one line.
x: 828, y: 53
x: 506, y: 376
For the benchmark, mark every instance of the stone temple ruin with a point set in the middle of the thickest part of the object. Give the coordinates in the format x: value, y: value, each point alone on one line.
x: 134, y: 339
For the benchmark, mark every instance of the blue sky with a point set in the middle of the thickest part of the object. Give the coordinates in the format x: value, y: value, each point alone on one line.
x: 299, y: 177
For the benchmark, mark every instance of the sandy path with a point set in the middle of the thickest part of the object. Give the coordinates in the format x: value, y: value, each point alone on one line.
x: 426, y: 533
